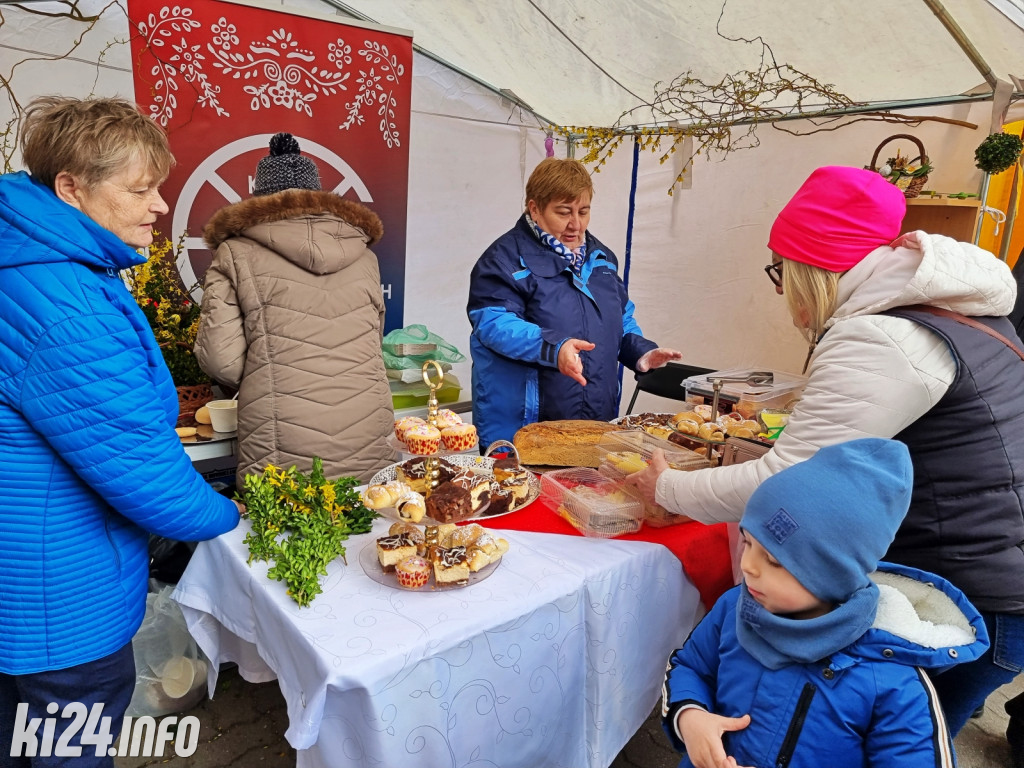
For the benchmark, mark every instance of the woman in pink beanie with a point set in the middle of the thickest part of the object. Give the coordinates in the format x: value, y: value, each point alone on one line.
x: 882, y: 363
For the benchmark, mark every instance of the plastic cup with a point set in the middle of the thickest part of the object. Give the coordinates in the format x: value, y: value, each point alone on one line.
x: 177, y: 677
x: 223, y: 415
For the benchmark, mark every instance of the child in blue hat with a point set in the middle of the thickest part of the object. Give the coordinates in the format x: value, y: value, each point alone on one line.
x: 818, y: 657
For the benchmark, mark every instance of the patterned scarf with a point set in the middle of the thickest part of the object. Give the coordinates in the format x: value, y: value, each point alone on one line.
x: 573, y: 259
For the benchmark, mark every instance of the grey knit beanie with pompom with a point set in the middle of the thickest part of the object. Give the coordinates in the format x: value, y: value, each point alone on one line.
x: 285, y: 168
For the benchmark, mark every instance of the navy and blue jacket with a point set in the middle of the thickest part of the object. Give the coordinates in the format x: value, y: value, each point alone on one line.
x: 524, y: 302
x: 89, y: 461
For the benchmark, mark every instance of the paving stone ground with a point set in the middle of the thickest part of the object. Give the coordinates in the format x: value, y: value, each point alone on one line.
x: 244, y: 725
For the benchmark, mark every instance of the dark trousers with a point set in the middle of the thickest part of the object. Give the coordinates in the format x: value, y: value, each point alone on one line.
x: 964, y: 688
x: 109, y: 681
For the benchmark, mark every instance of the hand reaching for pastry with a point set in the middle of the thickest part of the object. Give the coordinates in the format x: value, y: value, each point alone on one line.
x: 646, y: 480
x: 569, y: 362
x: 656, y: 358
x: 702, y: 733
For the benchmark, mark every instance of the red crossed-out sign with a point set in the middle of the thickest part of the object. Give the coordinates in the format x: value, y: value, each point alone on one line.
x: 224, y: 76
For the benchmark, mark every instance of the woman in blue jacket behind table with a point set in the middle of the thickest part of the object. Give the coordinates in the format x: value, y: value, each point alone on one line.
x: 90, y: 464
x: 551, y: 318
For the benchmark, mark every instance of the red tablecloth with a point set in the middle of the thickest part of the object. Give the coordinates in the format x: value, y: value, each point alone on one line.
x: 702, y: 549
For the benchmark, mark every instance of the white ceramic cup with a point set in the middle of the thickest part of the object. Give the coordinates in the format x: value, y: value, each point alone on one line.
x: 223, y: 415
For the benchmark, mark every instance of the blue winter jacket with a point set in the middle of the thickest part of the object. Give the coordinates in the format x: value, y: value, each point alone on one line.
x: 869, y: 705
x: 524, y: 301
x: 89, y: 461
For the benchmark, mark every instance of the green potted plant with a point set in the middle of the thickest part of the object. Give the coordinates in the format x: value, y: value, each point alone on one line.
x: 173, y: 315
x: 997, y: 153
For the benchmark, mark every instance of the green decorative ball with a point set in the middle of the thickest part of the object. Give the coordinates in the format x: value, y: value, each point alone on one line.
x: 998, y: 152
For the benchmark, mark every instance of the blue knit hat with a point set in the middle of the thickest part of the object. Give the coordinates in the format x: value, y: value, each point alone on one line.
x: 830, y: 519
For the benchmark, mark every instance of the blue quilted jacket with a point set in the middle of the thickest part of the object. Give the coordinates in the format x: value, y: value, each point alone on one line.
x: 89, y: 462
x: 868, y: 705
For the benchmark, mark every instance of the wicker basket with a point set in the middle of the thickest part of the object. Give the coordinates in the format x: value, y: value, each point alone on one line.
x: 911, y: 185
x: 190, y: 399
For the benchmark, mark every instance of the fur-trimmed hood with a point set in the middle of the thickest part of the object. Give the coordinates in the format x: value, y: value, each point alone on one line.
x: 234, y: 220
x: 293, y: 315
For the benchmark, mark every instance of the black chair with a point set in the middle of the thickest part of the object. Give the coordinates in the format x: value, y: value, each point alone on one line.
x: 666, y: 381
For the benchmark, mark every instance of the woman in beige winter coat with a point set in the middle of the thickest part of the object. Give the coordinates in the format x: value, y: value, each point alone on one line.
x: 293, y: 318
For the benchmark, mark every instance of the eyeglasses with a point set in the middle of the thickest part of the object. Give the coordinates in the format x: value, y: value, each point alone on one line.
x: 774, y: 272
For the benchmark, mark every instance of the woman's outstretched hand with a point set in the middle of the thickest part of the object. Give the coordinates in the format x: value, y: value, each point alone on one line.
x: 569, y: 362
x: 657, y: 358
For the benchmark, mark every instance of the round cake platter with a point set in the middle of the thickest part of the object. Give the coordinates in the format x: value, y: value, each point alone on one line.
x: 662, y: 417
x: 372, y: 568
x: 482, y: 465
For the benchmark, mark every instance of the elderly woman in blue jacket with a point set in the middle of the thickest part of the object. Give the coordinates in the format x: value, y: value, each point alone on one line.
x: 90, y: 464
x: 551, y: 318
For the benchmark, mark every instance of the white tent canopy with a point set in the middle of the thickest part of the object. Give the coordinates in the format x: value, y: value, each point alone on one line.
x: 696, y: 257
x: 586, y: 63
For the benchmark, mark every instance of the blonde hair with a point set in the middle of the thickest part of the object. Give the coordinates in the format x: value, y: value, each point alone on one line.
x: 92, y: 139
x: 556, y: 179
x: 811, y: 295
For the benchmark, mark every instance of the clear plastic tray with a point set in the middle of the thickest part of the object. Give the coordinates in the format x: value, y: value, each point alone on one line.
x: 746, y: 398
x: 595, y: 505
x: 630, y: 451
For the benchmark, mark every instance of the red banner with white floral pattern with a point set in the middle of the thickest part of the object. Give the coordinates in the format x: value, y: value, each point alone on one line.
x: 223, y: 77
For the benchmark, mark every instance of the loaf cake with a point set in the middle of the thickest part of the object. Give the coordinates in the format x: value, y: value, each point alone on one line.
x: 566, y: 443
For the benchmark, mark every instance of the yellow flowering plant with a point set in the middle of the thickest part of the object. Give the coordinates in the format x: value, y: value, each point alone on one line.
x: 168, y: 305
x: 299, y: 522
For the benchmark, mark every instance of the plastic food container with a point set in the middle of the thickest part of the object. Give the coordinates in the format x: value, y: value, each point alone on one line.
x: 629, y: 451
x: 595, y: 505
x: 414, y: 394
x: 747, y: 399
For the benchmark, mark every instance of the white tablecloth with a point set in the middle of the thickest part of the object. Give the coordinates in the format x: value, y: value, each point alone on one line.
x: 555, y: 660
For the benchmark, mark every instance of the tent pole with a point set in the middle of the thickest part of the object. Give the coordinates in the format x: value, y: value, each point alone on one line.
x: 1011, y: 211
x: 961, y: 39
x: 626, y: 258
x: 628, y: 253
x: 981, y: 211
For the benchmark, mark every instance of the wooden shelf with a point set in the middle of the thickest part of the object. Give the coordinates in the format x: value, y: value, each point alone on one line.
x: 950, y: 216
x: 969, y: 202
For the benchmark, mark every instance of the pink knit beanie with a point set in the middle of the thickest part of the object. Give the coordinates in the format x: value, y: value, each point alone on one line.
x: 837, y: 217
